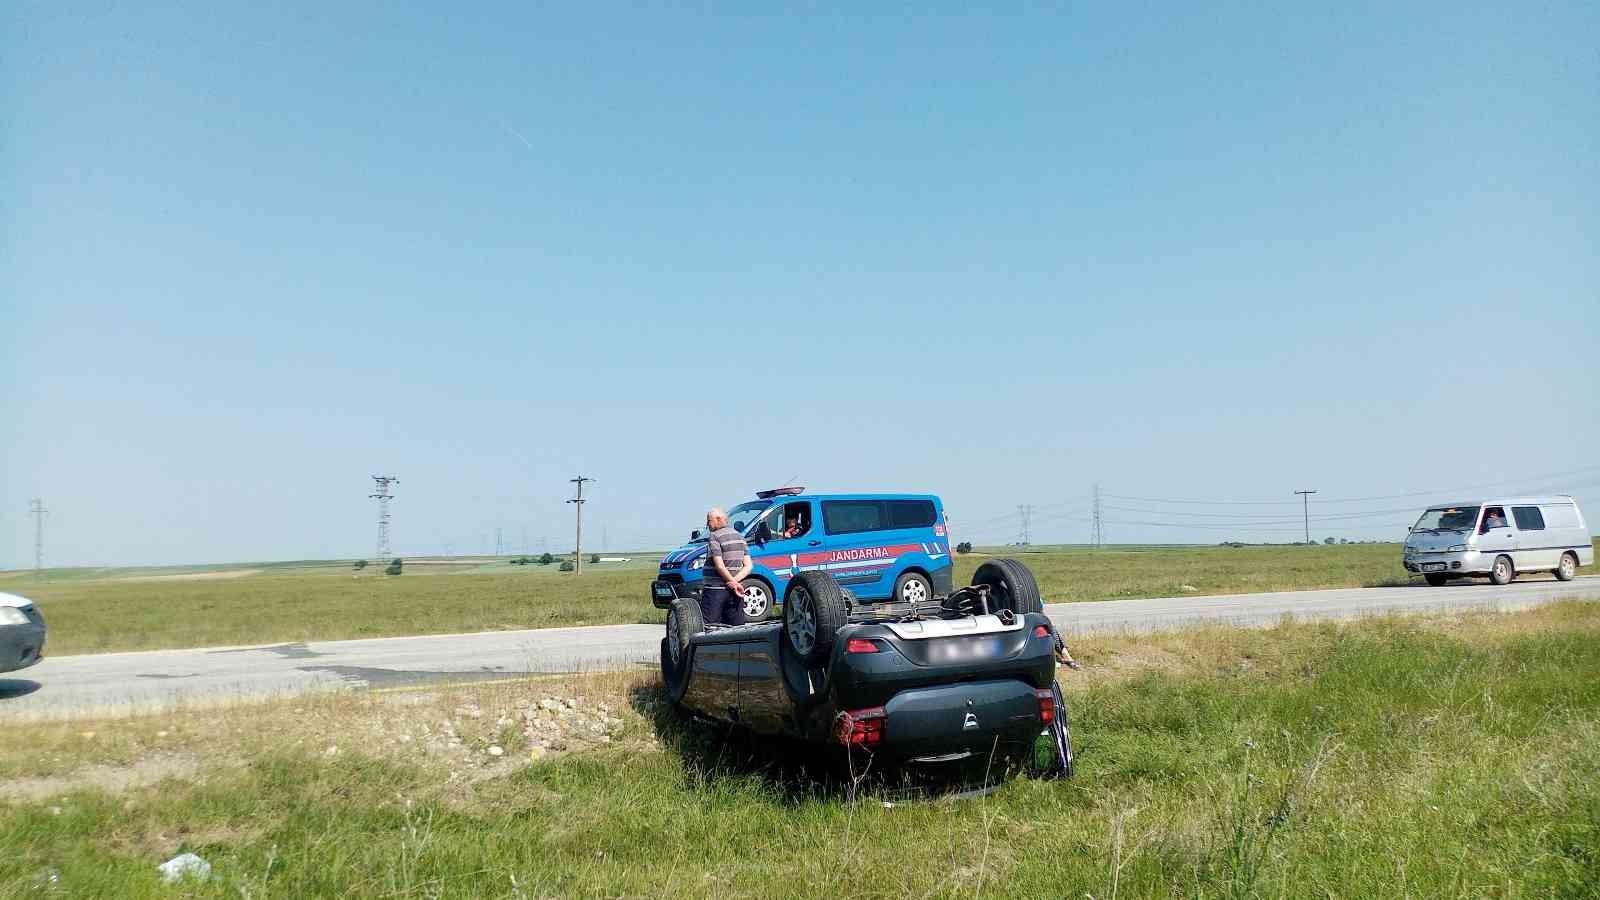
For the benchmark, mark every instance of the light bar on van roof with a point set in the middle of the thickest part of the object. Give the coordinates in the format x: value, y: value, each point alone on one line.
x: 779, y: 492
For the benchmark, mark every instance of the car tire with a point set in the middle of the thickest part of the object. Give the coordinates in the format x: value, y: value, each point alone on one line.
x: 814, y: 609
x: 1502, y: 572
x: 1568, y: 568
x: 1436, y: 580
x: 752, y: 608
x: 1011, y: 586
x: 913, y: 587
x: 684, y: 621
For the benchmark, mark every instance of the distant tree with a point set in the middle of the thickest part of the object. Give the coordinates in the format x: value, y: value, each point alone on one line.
x: 394, y: 566
x: 964, y: 547
x: 1344, y: 540
x: 594, y: 557
x: 1329, y: 541
x: 567, y: 566
x: 360, y: 564
x: 546, y: 559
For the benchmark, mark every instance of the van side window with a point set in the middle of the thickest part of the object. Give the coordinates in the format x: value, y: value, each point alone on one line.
x: 1493, y: 517
x: 910, y: 513
x: 1528, y: 518
x: 851, y: 516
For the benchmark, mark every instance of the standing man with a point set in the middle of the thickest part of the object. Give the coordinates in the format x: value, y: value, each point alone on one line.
x: 727, y: 563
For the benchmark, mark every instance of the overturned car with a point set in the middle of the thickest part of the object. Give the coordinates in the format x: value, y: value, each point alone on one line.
x: 967, y: 674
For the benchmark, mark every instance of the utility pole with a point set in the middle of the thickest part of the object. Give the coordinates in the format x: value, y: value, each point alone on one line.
x: 383, y: 495
x: 499, y: 543
x: 1099, y: 534
x: 37, y: 510
x: 577, y: 548
x: 1305, y: 503
x: 1024, y: 512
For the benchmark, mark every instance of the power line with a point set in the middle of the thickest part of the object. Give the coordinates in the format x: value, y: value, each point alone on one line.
x: 383, y: 495
x: 1454, y: 490
x: 1262, y: 518
x: 37, y: 510
x: 577, y: 547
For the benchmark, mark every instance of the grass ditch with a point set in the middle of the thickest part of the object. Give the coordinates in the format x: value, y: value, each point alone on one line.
x: 1447, y: 756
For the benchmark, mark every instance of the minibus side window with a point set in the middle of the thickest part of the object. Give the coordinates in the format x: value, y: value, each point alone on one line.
x: 1528, y: 518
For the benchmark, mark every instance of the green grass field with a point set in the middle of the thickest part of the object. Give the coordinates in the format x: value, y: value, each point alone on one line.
x: 99, y: 610
x: 1442, y: 757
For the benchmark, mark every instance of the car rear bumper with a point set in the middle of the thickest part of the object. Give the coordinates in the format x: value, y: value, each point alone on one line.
x: 952, y: 718
x: 20, y: 646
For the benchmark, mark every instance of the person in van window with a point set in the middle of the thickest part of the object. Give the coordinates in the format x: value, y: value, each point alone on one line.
x: 793, y: 527
x: 1493, y: 519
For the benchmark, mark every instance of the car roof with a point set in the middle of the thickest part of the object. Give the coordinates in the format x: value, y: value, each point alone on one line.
x: 1508, y: 501
x: 883, y: 496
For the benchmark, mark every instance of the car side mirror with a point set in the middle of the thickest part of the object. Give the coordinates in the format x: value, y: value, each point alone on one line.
x: 694, y: 535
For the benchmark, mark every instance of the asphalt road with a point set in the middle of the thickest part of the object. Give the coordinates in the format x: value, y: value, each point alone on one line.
x: 156, y: 679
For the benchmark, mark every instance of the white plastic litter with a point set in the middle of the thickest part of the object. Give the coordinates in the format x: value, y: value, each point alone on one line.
x: 185, y: 865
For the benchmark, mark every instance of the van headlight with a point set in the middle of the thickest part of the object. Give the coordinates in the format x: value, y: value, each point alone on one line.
x: 698, y: 564
x: 1456, y: 548
x: 10, y: 615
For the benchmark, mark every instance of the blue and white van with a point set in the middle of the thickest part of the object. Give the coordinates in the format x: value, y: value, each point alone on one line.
x: 880, y: 546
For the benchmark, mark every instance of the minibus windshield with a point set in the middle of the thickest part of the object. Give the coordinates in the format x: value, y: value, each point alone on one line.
x: 1447, y: 518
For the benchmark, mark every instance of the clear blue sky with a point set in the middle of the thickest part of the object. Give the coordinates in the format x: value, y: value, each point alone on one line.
x: 249, y: 257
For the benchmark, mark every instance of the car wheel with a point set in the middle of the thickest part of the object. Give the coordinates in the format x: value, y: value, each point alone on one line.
x: 1437, y: 580
x: 1568, y: 568
x: 683, y: 622
x: 813, y: 612
x: 757, y: 600
x: 1502, y: 572
x: 913, y: 587
x: 1011, y: 586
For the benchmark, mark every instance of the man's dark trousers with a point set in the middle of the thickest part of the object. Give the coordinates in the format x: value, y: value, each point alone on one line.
x: 720, y: 606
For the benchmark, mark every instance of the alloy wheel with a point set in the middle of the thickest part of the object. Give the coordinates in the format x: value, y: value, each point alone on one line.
x: 801, y: 621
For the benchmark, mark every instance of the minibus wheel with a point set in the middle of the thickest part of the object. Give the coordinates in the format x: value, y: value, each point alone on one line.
x: 1568, y: 568
x: 1503, y: 571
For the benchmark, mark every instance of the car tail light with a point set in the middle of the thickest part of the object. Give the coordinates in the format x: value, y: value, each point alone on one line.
x: 862, y: 727
x: 860, y: 645
x: 1041, y: 631
x: 1047, y: 705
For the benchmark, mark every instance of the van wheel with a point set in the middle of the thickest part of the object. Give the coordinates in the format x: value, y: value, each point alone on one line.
x: 813, y: 612
x: 1568, y: 568
x: 911, y: 587
x: 1502, y: 572
x: 1437, y: 580
x: 683, y: 623
x: 1011, y: 586
x: 757, y: 601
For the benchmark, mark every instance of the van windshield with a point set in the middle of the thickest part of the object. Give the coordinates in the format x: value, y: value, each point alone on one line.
x: 1447, y: 518
x: 741, y: 517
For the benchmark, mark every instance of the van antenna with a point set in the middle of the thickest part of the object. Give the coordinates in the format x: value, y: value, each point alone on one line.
x: 790, y: 481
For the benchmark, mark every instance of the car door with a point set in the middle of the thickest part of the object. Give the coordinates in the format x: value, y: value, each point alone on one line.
x: 779, y: 558
x: 1495, y: 539
x: 1534, y: 549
